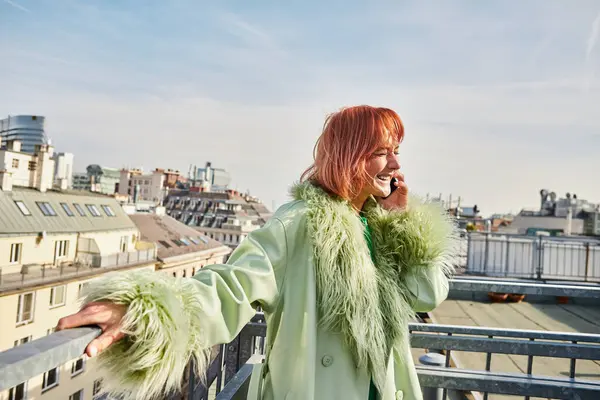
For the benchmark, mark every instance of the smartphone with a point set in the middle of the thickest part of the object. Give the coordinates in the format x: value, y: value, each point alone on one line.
x: 392, y: 186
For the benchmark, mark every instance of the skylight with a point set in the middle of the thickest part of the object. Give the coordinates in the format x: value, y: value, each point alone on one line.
x: 79, y: 209
x: 109, y: 211
x: 93, y: 210
x: 68, y: 211
x: 46, y: 208
x: 23, y: 207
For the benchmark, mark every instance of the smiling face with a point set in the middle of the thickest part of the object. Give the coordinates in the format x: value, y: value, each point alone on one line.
x: 380, y: 167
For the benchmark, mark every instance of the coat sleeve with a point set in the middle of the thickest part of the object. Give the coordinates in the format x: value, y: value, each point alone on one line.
x: 420, y: 242
x: 172, y: 320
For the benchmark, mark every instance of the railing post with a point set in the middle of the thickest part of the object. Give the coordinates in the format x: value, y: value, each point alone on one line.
x: 231, y: 358
x: 436, y: 360
x: 587, y: 261
x: 468, y: 251
x: 540, y: 254
x: 486, y: 254
x: 507, y: 256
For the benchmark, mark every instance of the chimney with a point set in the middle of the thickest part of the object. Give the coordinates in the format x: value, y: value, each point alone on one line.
x: 5, y: 178
x: 13, y: 145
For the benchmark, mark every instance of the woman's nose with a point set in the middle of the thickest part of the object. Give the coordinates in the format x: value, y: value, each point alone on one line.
x: 393, y: 162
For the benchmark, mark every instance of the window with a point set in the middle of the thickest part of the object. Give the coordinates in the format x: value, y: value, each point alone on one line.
x: 174, y: 274
x: 15, y: 163
x: 15, y: 253
x: 79, y: 209
x: 83, y: 287
x: 25, y: 308
x: 46, y: 208
x: 32, y: 165
x: 21, y: 341
x: 77, y: 395
x: 57, y: 296
x: 50, y: 379
x: 177, y: 242
x: 193, y: 240
x: 123, y: 245
x: 19, y: 392
x: 167, y: 245
x: 78, y: 366
x: 97, y: 386
x: 109, y: 211
x: 184, y: 241
x: 93, y: 210
x: 22, y: 207
x: 61, y: 248
x: 184, y: 273
x: 68, y: 211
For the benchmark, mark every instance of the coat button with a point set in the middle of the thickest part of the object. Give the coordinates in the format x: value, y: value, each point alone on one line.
x: 399, y: 395
x: 327, y: 360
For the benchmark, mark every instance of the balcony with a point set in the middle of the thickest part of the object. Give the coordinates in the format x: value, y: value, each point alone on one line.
x: 85, y: 264
x: 435, y: 346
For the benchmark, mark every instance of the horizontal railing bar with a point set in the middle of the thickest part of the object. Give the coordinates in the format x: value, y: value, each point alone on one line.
x: 254, y: 329
x: 505, y: 383
x: 514, y: 333
x: 237, y: 387
x: 542, y: 289
x: 38, y: 356
x: 506, y: 346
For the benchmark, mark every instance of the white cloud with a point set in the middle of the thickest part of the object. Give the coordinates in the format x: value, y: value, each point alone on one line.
x: 16, y: 5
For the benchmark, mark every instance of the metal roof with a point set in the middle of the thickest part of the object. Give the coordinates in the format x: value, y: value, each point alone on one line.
x: 172, y: 237
x: 13, y: 221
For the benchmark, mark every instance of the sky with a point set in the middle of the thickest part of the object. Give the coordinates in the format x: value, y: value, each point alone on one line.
x: 499, y: 98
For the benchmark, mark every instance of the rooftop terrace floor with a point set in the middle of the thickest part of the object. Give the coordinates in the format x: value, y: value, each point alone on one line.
x: 547, y: 317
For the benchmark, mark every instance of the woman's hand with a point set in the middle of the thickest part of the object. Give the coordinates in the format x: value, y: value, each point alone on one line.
x: 106, y: 315
x: 398, y: 200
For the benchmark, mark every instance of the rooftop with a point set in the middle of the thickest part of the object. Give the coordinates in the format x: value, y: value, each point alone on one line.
x: 26, y: 211
x: 172, y: 237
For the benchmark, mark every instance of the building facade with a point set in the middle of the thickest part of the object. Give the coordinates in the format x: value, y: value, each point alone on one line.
x: 591, y: 224
x: 52, y: 243
x: 81, y: 181
x: 227, y: 217
x: 63, y: 170
x: 210, y: 179
x: 27, y: 129
x: 143, y: 187
x: 182, y: 250
x: 97, y: 179
x: 21, y: 169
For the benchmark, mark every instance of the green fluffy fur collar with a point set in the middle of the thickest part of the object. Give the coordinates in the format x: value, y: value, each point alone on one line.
x: 367, y: 302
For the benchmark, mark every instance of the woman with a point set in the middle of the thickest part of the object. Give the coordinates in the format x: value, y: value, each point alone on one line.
x: 339, y: 272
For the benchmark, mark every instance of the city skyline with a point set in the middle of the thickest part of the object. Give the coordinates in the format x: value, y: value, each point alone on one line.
x: 497, y: 100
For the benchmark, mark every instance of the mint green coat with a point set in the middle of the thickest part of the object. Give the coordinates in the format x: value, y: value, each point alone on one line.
x: 291, y: 268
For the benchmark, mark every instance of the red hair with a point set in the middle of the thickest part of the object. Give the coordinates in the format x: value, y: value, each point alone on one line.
x: 350, y: 136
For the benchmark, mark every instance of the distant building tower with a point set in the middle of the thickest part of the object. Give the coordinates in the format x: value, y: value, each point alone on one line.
x: 63, y: 170
x: 27, y: 129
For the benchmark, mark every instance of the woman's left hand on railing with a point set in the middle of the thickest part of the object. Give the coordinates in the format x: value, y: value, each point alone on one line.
x: 108, y: 316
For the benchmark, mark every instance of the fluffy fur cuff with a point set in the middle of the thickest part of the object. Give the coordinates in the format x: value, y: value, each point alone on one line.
x: 163, y: 332
x: 423, y: 235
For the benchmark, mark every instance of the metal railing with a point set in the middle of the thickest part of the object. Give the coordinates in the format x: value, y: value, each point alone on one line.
x: 229, y: 371
x: 531, y: 257
x: 85, y: 264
